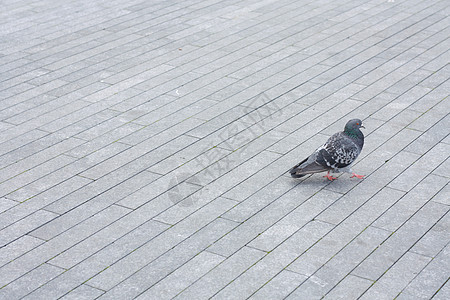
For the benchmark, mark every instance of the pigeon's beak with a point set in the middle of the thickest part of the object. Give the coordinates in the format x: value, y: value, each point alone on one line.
x: 363, y: 127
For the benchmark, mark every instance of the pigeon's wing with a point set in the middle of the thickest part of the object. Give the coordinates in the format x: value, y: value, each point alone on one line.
x: 309, y: 166
x: 338, y: 152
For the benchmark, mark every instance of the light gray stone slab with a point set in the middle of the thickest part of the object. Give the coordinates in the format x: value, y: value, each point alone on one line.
x: 183, y: 276
x: 417, y: 171
x: 25, y: 225
x: 403, y: 209
x: 443, y: 292
x: 219, y: 277
x: 397, y: 277
x: 83, y: 292
x: 443, y: 195
x: 164, y: 242
x: 351, y: 287
x: 405, y: 237
x: 431, y: 279
x: 30, y: 281
x: 6, y: 204
x: 17, y: 248
x: 275, y: 261
x: 280, y: 286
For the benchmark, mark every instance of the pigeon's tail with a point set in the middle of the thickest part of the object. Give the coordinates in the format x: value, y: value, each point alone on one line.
x: 296, y: 170
x: 295, y: 175
x: 304, y: 168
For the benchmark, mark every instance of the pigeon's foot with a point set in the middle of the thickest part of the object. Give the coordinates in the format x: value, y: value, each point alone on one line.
x: 331, y: 178
x: 358, y: 176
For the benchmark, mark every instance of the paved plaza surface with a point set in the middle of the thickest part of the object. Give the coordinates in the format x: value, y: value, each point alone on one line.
x: 144, y: 149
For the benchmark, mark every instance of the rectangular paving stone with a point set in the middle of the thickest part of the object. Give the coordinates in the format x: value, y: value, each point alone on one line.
x: 166, y: 263
x: 151, y: 197
x: 353, y: 201
x: 17, y: 248
x: 162, y: 243
x: 435, y: 79
x: 293, y: 221
x: 46, y: 251
x: 184, y: 276
x: 429, y: 118
x: 244, y: 160
x: 339, y: 266
x: 42, y: 199
x: 403, y: 272
x: 21, y: 140
x: 275, y: 261
x: 331, y: 244
x: 392, y: 139
x: 24, y: 226
x: 204, y: 196
x: 410, y: 203
x: 21, y: 112
x: 258, y: 201
x: 430, y: 138
x: 6, y: 204
x: 36, y: 91
x: 30, y: 281
x: 35, y: 106
x: 280, y: 286
x: 430, y: 279
x: 250, y: 229
x: 106, y: 192
x: 199, y: 154
x: 443, y: 292
x: 38, y: 152
x: 426, y: 163
x: 95, y: 242
x: 103, y: 141
x: 144, y: 148
x: 80, y: 120
x: 434, y: 240
x: 442, y: 196
x: 103, y: 128
x: 101, y: 260
x: 400, y: 103
x: 86, y: 54
x: 60, y: 178
x: 83, y: 292
x: 131, y: 98
x: 405, y: 237
x: 224, y: 273
x: 440, y: 170
x: 350, y: 287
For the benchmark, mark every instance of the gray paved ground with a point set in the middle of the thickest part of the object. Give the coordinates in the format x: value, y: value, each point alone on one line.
x: 145, y: 144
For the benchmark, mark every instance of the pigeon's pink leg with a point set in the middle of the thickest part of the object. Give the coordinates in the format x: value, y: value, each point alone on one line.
x: 331, y: 178
x: 356, y: 175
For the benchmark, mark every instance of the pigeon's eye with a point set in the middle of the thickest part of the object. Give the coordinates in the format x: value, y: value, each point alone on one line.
x: 357, y: 123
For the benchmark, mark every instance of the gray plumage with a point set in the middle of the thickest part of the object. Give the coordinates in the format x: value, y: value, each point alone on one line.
x: 336, y: 155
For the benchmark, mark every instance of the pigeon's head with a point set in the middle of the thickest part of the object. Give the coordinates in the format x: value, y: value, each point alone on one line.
x: 353, y: 125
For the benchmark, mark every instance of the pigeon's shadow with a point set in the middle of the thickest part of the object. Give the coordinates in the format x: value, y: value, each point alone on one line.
x: 312, y: 181
x: 340, y: 185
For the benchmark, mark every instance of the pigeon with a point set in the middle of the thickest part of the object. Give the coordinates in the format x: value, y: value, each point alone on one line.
x: 336, y: 155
